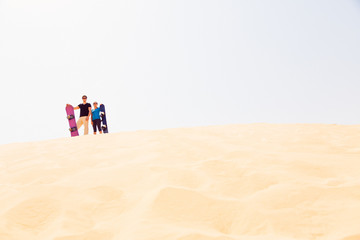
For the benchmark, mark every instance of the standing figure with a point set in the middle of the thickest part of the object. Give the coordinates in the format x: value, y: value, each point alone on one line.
x: 85, y: 111
x: 95, y: 118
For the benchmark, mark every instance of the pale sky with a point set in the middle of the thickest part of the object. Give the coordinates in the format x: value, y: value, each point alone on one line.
x: 177, y: 63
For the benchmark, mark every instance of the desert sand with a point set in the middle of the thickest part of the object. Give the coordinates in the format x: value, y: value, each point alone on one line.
x: 233, y: 182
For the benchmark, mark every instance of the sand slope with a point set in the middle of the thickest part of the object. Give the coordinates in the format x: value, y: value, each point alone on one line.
x: 257, y: 182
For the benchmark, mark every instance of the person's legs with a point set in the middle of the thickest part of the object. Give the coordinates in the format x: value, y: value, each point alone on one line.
x: 98, y: 123
x: 86, y: 125
x: 94, y: 127
x: 79, y: 123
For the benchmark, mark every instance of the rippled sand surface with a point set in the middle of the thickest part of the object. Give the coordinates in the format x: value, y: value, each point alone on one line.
x: 234, y: 182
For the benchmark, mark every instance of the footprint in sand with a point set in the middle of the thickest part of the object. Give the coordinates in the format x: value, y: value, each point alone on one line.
x: 353, y: 237
x: 32, y: 215
x: 92, y: 235
x: 203, y: 237
x: 187, y: 206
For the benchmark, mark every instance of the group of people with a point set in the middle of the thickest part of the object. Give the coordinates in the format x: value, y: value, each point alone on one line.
x: 86, y: 112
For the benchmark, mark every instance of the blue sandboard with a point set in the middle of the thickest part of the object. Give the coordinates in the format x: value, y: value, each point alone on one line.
x: 104, y: 125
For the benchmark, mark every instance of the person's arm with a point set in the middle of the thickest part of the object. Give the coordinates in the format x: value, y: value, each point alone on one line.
x: 77, y: 107
x: 87, y: 119
x: 92, y: 119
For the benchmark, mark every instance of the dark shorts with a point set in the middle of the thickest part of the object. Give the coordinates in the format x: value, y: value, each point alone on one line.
x: 97, y: 123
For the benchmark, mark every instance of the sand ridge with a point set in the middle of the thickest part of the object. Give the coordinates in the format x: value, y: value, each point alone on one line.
x: 233, y: 182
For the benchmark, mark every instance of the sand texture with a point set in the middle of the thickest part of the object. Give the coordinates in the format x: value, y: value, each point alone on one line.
x: 234, y: 182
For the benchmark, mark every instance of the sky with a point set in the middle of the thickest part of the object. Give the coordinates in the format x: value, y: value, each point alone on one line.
x: 159, y: 64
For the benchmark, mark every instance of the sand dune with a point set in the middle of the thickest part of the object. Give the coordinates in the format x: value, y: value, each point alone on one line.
x: 235, y: 182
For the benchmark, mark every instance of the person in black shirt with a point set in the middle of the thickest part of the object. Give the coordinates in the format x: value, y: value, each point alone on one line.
x: 85, y: 112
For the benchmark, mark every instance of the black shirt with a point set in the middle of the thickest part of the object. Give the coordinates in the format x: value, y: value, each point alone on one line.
x: 84, y: 109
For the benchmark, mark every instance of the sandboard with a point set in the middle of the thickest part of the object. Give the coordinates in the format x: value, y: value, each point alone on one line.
x: 72, y: 121
x: 104, y: 125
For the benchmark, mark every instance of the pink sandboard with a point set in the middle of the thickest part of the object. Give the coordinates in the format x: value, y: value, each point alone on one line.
x: 72, y: 121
